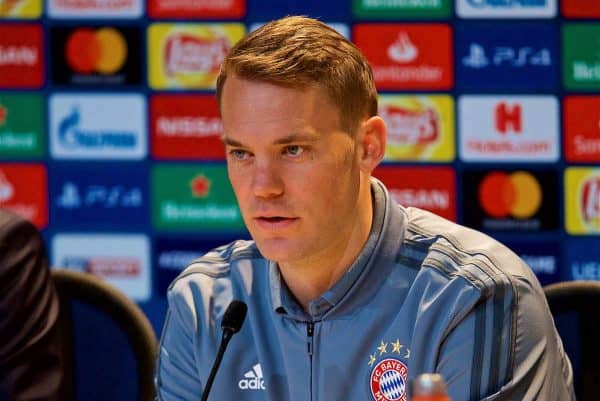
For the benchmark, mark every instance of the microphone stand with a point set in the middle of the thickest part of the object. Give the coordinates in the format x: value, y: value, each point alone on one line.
x: 233, y: 318
x: 225, y: 337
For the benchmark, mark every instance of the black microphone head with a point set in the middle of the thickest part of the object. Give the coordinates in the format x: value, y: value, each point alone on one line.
x: 234, y: 316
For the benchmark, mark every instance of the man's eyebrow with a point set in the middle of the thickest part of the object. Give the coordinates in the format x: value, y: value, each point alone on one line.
x: 297, y: 137
x: 292, y: 138
x: 231, y: 142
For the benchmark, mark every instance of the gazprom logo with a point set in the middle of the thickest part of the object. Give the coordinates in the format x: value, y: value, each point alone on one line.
x: 506, y: 8
x: 508, y: 3
x: 98, y: 126
x: 71, y: 135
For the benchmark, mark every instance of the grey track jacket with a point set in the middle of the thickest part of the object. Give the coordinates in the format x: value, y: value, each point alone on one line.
x: 424, y: 295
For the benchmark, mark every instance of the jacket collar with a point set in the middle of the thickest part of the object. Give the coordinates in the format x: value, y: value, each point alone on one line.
x: 387, y: 232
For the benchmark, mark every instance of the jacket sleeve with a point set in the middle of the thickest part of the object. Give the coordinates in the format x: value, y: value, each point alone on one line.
x: 177, y: 376
x: 30, y: 353
x: 507, y: 348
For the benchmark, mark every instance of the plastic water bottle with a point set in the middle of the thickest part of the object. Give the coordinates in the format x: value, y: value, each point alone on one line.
x: 429, y: 387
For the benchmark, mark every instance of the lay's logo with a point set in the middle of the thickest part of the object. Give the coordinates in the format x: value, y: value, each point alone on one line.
x: 21, y: 9
x: 188, y: 54
x: 420, y: 128
x: 411, y: 126
x: 590, y: 201
x: 582, y: 200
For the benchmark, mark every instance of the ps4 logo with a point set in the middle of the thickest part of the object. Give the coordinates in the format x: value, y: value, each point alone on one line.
x: 71, y: 136
x: 108, y: 197
x: 507, y: 56
x: 507, y: 3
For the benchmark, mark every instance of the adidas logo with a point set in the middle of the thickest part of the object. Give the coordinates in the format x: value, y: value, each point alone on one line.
x: 253, y: 379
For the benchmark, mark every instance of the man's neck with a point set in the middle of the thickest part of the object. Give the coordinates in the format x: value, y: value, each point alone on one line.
x: 312, y: 277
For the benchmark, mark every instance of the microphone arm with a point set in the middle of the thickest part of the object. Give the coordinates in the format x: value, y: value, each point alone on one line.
x: 233, y: 318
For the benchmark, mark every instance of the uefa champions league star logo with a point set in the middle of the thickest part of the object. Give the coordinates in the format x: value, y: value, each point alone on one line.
x: 388, y: 380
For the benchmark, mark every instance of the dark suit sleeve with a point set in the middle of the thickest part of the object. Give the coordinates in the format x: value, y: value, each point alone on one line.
x: 30, y: 358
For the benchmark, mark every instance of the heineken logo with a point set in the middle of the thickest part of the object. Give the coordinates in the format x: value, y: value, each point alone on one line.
x: 21, y: 135
x: 402, y: 8
x: 3, y: 114
x: 200, y: 186
x: 581, y: 60
x: 194, y: 196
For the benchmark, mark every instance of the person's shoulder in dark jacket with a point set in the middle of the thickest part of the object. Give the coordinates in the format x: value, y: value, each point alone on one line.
x: 30, y: 357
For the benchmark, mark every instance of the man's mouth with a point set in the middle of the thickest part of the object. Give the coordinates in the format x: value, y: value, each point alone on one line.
x: 275, y: 222
x: 274, y: 218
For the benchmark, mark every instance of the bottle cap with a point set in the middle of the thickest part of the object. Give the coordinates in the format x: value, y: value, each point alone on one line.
x: 429, y: 384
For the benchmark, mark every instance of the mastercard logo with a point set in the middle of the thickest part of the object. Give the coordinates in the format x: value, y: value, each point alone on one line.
x: 102, y: 50
x: 516, y: 194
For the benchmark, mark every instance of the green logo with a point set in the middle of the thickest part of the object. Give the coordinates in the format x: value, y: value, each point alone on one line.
x: 581, y: 56
x: 21, y: 126
x: 195, y: 197
x: 401, y: 8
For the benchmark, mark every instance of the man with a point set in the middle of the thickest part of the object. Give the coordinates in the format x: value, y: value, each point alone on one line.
x: 30, y: 357
x: 349, y: 295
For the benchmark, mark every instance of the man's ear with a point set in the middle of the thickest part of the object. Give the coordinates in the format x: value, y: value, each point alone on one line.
x: 371, y: 142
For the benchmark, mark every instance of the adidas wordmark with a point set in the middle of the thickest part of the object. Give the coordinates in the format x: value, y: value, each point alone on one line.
x: 253, y: 379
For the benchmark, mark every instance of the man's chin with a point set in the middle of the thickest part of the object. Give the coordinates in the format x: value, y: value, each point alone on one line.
x: 277, y: 250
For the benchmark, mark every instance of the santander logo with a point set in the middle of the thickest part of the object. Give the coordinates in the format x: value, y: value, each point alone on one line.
x: 403, y: 50
x: 411, y: 127
x: 185, y: 53
x: 7, y: 191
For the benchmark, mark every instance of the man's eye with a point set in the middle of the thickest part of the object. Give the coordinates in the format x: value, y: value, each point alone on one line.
x: 239, y: 154
x: 294, y: 150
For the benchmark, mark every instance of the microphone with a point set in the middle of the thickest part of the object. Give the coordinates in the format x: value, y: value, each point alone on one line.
x: 233, y: 318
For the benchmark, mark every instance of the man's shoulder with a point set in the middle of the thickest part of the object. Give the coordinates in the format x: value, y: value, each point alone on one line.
x: 463, y: 268
x: 219, y: 262
x: 456, y: 250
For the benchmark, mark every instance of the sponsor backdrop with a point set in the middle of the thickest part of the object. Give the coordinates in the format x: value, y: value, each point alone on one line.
x: 109, y: 129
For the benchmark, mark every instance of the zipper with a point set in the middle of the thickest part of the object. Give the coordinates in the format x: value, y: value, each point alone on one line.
x: 310, y: 329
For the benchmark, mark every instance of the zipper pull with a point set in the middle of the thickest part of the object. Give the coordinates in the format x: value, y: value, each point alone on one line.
x: 309, y: 334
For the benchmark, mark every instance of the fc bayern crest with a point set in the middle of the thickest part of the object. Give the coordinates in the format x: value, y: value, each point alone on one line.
x: 388, y: 380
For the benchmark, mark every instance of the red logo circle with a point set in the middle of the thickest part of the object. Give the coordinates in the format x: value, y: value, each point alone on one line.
x: 388, y: 380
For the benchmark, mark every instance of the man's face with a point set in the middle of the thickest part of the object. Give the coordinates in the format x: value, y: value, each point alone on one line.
x: 292, y: 167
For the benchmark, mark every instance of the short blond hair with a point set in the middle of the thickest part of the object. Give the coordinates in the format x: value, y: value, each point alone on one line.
x: 298, y: 52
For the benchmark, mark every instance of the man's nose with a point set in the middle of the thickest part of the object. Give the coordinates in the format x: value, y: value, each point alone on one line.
x: 267, y: 181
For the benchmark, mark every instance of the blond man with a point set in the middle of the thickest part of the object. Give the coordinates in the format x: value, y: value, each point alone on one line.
x: 349, y: 295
